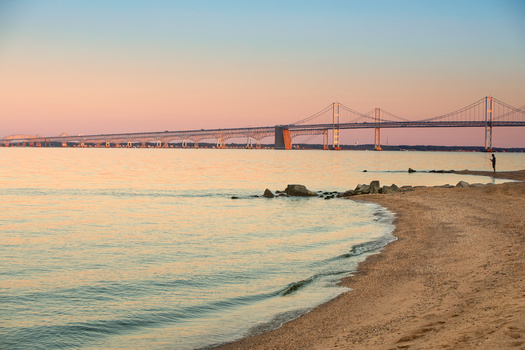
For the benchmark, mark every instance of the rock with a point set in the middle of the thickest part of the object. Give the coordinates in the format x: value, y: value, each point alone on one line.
x: 462, y: 184
x: 477, y: 185
x: 389, y: 189
x: 410, y: 170
x: 385, y: 190
x: 365, y: 171
x: 374, y: 186
x: 348, y: 193
x: 442, y: 171
x: 299, y: 190
x: 268, y: 194
x: 362, y: 189
x: 234, y: 197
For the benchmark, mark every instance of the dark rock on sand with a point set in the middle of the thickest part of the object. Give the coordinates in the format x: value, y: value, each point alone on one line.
x: 348, y: 193
x: 374, y: 186
x: 389, y: 189
x: 362, y: 189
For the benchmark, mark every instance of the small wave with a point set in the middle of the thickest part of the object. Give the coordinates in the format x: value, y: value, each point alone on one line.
x: 277, y: 321
x: 116, y: 193
x: 365, y: 247
x: 295, y: 286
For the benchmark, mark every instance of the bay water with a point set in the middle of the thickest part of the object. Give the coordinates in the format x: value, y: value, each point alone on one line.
x: 176, y: 248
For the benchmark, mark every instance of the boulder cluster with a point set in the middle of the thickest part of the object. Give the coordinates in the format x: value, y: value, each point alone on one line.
x: 302, y: 191
x: 291, y: 190
x: 410, y: 171
x: 373, y: 187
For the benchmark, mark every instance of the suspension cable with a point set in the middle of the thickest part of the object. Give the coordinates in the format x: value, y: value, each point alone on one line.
x: 313, y: 116
x: 461, y: 110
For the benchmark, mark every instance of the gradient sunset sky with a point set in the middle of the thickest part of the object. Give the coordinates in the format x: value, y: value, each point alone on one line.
x: 125, y: 66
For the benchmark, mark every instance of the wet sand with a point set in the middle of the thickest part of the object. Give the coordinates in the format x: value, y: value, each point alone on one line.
x: 518, y: 175
x: 454, y: 279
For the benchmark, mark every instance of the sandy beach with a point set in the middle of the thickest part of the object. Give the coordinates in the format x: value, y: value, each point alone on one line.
x: 454, y: 279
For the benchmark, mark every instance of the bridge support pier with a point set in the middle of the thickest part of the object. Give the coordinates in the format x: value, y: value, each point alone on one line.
x: 282, y: 138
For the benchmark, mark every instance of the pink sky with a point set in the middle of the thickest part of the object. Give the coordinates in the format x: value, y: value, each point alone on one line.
x: 92, y: 67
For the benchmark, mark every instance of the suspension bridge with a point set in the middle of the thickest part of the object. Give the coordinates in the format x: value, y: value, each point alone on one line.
x: 486, y: 113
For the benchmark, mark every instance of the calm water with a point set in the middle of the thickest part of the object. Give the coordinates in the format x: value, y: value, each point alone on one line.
x: 144, y: 248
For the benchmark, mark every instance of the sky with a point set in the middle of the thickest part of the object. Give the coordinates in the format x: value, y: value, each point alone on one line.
x: 117, y: 66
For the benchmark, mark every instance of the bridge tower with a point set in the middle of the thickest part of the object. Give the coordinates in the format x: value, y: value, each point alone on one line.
x: 488, y: 124
x: 377, y: 138
x: 335, y: 123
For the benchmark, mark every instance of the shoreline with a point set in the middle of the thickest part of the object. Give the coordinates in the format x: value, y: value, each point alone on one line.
x: 452, y: 279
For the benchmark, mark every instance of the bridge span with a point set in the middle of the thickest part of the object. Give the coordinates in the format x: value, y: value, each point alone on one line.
x: 485, y: 113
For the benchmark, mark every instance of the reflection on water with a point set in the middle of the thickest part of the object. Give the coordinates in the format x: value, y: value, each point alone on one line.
x: 144, y: 248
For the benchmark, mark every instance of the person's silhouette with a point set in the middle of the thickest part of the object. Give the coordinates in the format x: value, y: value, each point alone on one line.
x: 493, y: 160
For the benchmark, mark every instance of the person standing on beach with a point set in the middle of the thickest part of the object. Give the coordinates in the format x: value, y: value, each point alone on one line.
x: 493, y: 160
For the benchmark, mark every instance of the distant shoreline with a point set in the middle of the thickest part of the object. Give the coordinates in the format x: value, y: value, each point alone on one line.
x: 300, y: 146
x: 454, y: 277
